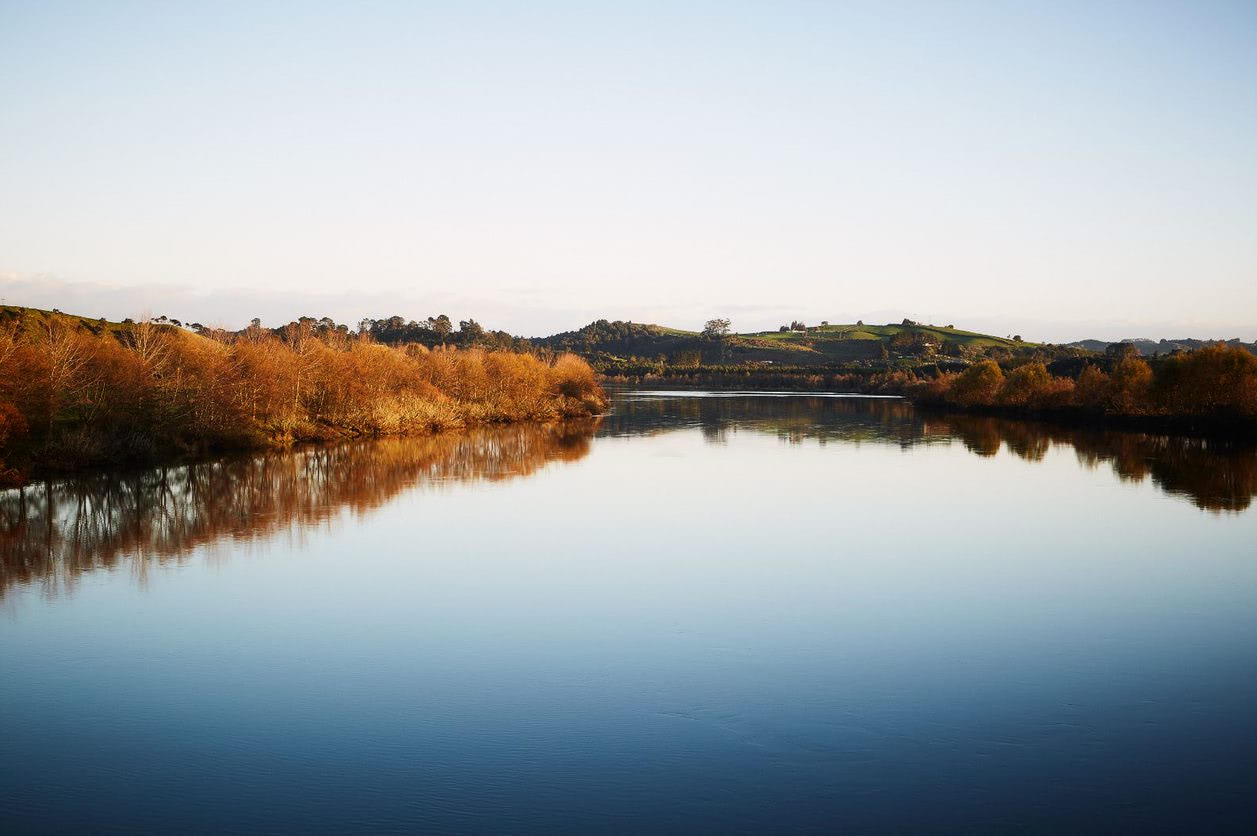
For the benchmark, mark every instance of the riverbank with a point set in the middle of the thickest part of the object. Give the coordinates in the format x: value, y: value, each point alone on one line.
x: 1210, y: 391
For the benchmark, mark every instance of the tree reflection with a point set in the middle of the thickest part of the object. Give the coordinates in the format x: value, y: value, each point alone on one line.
x: 56, y: 531
x: 794, y: 418
x: 1215, y: 475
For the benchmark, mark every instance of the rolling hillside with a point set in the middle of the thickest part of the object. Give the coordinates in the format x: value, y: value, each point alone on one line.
x: 609, y: 343
x: 1151, y: 348
x: 25, y: 319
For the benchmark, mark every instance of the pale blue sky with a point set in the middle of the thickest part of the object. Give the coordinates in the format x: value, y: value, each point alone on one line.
x: 1060, y: 170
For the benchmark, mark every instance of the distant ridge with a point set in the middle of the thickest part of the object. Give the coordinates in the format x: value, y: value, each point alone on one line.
x: 1148, y: 347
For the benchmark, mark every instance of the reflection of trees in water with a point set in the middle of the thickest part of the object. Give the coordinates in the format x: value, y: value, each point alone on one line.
x: 55, y: 531
x: 1215, y: 476
x: 795, y: 418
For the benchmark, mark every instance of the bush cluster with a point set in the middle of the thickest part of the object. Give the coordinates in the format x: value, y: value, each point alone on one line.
x: 71, y: 395
x: 1218, y: 381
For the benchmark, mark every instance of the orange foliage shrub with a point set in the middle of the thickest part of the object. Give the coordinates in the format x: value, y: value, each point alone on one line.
x: 1023, y: 383
x: 978, y: 385
x: 1031, y: 386
x: 1218, y: 382
x: 1219, y: 378
x: 149, y: 390
x: 1131, y: 386
x: 1091, y: 389
x: 573, y: 381
x: 931, y: 390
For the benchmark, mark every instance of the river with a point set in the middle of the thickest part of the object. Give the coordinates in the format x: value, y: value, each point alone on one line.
x: 704, y: 612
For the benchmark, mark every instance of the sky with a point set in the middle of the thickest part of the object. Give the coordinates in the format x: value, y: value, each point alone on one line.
x: 1060, y: 170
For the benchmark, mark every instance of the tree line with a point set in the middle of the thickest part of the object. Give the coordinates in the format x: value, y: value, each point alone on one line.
x: 1217, y: 383
x: 439, y: 331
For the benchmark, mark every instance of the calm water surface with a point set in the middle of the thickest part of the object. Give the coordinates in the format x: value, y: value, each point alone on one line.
x: 700, y: 614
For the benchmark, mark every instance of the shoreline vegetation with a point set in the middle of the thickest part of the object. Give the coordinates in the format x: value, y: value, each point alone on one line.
x: 1209, y: 390
x: 1184, y: 385
x: 78, y: 393
x: 66, y: 528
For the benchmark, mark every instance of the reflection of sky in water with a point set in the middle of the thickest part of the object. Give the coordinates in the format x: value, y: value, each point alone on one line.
x: 766, y: 633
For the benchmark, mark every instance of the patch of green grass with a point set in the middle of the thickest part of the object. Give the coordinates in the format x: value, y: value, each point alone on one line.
x: 838, y: 333
x: 38, y: 318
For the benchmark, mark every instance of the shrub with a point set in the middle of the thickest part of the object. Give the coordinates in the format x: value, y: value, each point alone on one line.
x: 1131, y: 387
x: 1218, y: 378
x: 1091, y: 389
x: 978, y: 385
x: 1031, y: 386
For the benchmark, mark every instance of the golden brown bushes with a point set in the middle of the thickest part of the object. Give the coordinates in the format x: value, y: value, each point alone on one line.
x: 1131, y: 385
x: 1218, y: 382
x: 1091, y: 389
x: 978, y: 385
x: 150, y: 390
x: 1031, y: 386
x: 931, y: 390
x: 1219, y: 378
x: 573, y: 381
x: 1023, y: 384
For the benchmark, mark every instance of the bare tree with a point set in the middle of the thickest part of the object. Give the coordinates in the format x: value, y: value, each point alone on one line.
x: 150, y: 346
x: 69, y: 372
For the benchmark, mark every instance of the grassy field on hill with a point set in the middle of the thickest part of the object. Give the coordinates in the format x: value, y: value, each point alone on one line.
x: 847, y: 343
x: 615, y: 346
x: 25, y: 320
x: 859, y: 331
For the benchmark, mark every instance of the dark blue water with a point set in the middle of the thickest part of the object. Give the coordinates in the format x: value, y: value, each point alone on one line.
x: 724, y: 614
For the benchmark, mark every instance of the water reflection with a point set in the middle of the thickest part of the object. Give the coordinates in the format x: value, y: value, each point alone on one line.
x: 52, y: 533
x: 1214, y: 475
x: 791, y: 417
x: 55, y: 531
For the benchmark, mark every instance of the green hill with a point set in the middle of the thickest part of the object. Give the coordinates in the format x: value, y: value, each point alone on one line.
x: 36, y: 316
x: 24, y: 320
x: 610, y: 344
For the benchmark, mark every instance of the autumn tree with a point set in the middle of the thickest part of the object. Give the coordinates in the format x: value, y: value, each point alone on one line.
x: 1219, y: 378
x: 1131, y: 386
x: 1024, y: 383
x: 1091, y: 389
x: 978, y: 385
x: 67, y: 355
